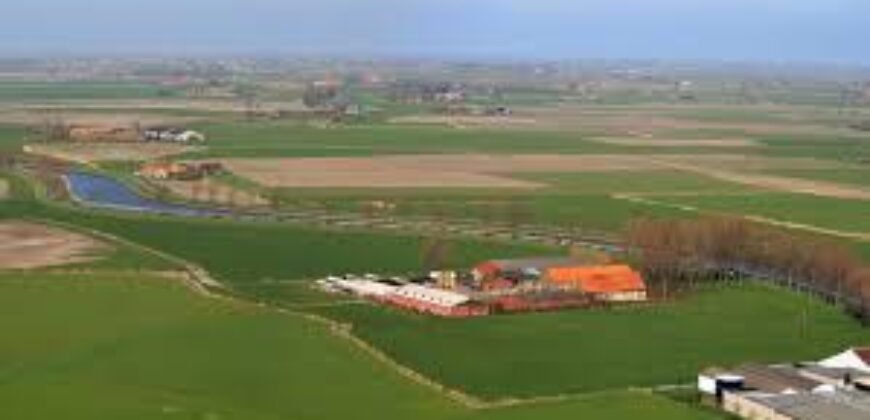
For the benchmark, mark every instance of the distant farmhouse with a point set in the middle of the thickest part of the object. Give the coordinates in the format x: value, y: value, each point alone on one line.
x: 172, y: 135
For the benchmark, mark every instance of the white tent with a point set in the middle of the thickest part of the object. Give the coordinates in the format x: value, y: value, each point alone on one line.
x: 854, y: 358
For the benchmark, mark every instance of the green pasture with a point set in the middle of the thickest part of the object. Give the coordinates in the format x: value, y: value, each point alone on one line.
x: 830, y: 213
x: 589, y: 350
x: 28, y: 91
x: 12, y: 137
x: 288, y: 139
x: 135, y: 347
x: 250, y: 251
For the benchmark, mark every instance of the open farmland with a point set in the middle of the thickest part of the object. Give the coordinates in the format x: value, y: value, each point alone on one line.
x: 4, y: 189
x: 133, y: 346
x: 581, y: 351
x: 137, y: 327
x: 479, y: 170
x: 282, y: 251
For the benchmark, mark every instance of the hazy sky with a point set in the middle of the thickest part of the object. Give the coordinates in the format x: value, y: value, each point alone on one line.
x: 814, y: 30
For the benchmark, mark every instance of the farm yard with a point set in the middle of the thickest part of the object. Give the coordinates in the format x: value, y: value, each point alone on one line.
x: 131, y: 301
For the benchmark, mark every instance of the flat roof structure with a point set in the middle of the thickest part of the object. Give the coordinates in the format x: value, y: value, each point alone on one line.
x: 840, y: 405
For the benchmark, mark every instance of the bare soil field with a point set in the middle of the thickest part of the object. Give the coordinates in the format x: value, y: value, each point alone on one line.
x: 214, y: 192
x: 25, y: 245
x: 661, y: 142
x: 103, y: 152
x: 470, y: 170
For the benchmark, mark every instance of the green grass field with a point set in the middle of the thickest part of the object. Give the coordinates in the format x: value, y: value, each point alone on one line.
x: 250, y: 251
x: 144, y: 348
x: 12, y: 137
x: 831, y: 213
x: 29, y: 91
x: 582, y: 351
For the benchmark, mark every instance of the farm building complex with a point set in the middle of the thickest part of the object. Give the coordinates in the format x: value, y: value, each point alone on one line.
x: 502, y: 286
x: 837, y: 388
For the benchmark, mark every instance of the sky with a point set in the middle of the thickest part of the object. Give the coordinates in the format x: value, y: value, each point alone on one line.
x: 755, y: 30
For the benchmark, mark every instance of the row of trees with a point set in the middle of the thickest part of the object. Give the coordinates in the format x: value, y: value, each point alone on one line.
x: 675, y: 254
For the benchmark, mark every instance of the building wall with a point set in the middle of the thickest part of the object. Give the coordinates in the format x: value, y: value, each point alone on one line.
x: 635, y: 296
x: 736, y: 404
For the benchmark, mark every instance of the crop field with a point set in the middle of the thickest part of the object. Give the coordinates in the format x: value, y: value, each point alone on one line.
x: 582, y: 351
x: 139, y: 347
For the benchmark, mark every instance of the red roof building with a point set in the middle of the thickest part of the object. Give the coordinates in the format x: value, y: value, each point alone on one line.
x: 614, y: 283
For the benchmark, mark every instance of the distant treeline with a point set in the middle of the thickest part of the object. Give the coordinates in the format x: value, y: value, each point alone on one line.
x: 676, y: 254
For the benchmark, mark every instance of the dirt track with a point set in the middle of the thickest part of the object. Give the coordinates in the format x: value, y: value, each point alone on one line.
x: 96, y: 152
x: 860, y: 236
x: 25, y: 245
x: 661, y: 142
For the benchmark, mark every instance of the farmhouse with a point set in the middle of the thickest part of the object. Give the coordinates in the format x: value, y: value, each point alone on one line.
x: 613, y: 283
x: 172, y: 135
